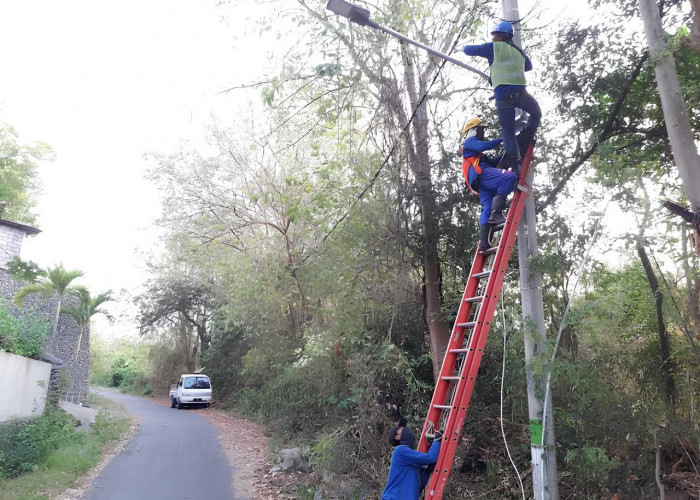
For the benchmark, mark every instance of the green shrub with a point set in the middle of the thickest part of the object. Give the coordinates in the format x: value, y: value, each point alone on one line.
x: 125, y: 375
x: 22, y: 333
x: 589, y: 461
x: 25, y: 443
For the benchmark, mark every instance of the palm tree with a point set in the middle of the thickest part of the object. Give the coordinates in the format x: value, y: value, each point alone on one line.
x: 86, y: 308
x: 57, y: 282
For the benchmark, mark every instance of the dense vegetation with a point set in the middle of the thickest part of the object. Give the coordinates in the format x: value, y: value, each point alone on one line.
x: 22, y: 333
x: 19, y: 183
x: 313, y: 263
x: 24, y: 444
x: 42, y: 457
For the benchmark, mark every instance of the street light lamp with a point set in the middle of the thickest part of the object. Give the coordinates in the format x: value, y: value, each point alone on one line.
x: 360, y: 15
x: 355, y: 13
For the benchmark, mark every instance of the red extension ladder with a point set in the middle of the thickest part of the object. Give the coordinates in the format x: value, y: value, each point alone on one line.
x: 463, y: 355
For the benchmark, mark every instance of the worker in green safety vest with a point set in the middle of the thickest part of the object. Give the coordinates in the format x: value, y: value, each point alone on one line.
x: 508, y: 65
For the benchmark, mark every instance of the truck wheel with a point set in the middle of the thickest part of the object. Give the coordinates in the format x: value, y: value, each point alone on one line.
x: 207, y: 405
x: 173, y: 403
x: 179, y: 405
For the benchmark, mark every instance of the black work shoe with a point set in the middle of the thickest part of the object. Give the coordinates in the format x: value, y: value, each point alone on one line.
x: 484, y: 243
x: 497, y: 205
x: 497, y: 219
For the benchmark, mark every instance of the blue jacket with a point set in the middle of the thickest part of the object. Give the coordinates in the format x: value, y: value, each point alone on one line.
x: 472, y: 147
x: 486, y: 50
x: 404, y: 474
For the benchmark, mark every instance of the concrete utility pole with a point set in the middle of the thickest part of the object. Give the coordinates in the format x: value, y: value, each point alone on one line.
x: 544, y: 459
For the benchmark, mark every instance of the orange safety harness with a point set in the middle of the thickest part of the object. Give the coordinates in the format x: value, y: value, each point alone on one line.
x: 471, y: 161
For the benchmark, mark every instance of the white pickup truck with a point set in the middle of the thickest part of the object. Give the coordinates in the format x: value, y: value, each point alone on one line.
x: 192, y: 389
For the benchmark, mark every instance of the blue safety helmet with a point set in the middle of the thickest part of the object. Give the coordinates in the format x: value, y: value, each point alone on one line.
x: 503, y: 28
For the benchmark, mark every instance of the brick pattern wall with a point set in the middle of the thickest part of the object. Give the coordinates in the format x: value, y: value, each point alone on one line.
x: 10, y: 243
x: 63, y: 345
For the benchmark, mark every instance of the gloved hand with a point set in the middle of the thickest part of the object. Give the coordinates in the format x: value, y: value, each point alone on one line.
x: 438, y: 436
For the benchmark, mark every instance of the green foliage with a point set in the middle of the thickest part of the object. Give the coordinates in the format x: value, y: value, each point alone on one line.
x: 305, y: 492
x: 24, y: 270
x: 62, y: 466
x: 223, y: 361
x: 123, y: 374
x: 22, y: 332
x: 301, y: 399
x: 24, y: 444
x: 19, y: 180
x: 590, y: 462
x: 121, y: 363
x: 57, y: 281
x: 86, y: 308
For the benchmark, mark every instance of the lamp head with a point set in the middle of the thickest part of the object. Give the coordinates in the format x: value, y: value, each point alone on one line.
x: 352, y: 12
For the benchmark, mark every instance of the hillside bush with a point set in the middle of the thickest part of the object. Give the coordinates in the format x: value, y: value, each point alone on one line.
x: 22, y: 332
x: 25, y: 443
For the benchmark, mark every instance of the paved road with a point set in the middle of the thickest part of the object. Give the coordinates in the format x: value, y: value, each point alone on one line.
x: 175, y: 456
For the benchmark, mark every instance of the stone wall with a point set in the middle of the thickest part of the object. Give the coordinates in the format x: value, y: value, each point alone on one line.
x: 10, y: 243
x: 63, y: 344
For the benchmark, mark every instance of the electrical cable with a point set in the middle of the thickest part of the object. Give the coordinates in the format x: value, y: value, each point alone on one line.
x: 503, y: 377
x: 395, y: 141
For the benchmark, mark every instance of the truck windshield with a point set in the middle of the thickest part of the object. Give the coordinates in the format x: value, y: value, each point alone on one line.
x: 196, y: 383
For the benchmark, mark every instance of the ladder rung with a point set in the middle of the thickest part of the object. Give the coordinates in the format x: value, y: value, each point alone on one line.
x: 471, y: 324
x: 481, y: 275
x: 450, y: 378
x: 459, y: 351
x: 499, y: 227
x: 442, y: 407
x: 472, y: 300
x: 490, y: 251
x: 523, y: 188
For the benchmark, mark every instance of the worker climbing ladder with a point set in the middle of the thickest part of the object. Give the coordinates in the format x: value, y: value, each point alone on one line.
x: 455, y: 385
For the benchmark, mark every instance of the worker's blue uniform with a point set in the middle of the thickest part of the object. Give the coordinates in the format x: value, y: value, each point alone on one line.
x: 492, y: 180
x: 404, y: 481
x: 509, y: 97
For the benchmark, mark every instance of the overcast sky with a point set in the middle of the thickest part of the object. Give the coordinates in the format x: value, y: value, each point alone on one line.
x: 103, y: 83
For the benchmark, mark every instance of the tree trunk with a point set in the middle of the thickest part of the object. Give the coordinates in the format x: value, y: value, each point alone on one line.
x: 188, y: 347
x: 58, y: 314
x: 675, y: 111
x: 421, y: 166
x: 81, y: 330
x: 667, y: 365
x: 693, y: 41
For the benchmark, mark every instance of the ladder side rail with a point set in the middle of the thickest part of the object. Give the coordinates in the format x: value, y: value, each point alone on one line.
x: 465, y: 386
x: 449, y: 361
x: 477, y: 341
